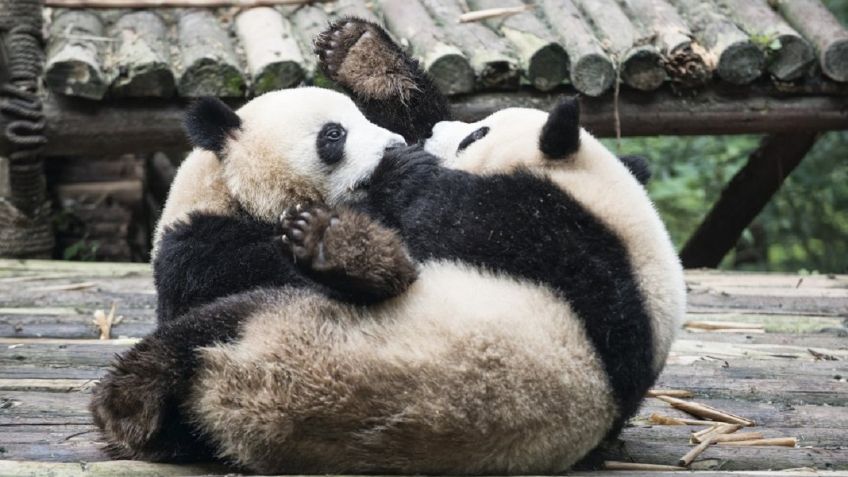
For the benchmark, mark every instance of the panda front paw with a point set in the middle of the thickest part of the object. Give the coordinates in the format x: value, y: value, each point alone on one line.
x: 361, y: 57
x: 303, y: 234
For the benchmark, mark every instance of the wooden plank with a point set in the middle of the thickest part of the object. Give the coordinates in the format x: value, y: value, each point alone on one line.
x: 273, y: 55
x: 101, y: 469
x: 208, y: 63
x: 591, y: 70
x: 818, y: 24
x: 543, y: 60
x: 77, y: 45
x: 739, y: 60
x: 443, y: 61
x: 744, y: 197
x: 75, y: 126
x: 142, y: 60
x: 310, y: 20
x: 639, y: 62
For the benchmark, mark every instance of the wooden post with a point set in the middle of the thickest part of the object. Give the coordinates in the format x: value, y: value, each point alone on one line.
x: 791, y: 57
x: 353, y: 8
x: 490, y: 57
x: 815, y: 22
x: 77, y: 46
x: 542, y: 59
x: 638, y: 60
x: 310, y: 20
x: 683, y: 59
x: 443, y: 61
x: 744, y: 197
x: 209, y: 65
x: 740, y: 61
x: 591, y: 70
x: 142, y: 58
x: 273, y: 55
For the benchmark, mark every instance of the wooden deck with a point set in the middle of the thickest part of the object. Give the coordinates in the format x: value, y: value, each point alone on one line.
x: 792, y: 379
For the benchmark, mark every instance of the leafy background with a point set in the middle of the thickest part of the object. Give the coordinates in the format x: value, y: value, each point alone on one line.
x: 803, y: 228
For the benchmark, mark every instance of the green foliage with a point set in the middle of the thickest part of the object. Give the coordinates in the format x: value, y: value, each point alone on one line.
x: 804, y: 227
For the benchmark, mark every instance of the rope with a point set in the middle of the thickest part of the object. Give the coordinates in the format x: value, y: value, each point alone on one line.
x: 25, y: 214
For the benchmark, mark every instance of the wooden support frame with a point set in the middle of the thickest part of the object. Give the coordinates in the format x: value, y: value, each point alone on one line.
x: 744, y: 197
x: 79, y: 127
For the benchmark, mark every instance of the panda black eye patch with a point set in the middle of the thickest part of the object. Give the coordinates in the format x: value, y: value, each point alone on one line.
x: 472, y: 138
x: 331, y: 143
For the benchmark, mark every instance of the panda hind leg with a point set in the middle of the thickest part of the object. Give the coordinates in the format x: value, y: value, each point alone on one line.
x: 348, y: 252
x: 387, y: 84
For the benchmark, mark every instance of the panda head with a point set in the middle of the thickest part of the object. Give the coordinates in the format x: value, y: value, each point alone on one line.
x: 530, y: 139
x: 290, y: 146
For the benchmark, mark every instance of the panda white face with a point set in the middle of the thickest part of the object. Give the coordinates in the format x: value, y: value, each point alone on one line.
x: 292, y: 146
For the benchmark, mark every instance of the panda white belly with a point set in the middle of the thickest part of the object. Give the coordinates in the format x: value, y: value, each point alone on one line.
x: 466, y: 372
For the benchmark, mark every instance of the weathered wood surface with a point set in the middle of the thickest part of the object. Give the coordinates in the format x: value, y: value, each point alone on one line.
x: 137, y: 126
x: 50, y: 357
x: 142, y: 59
x: 111, y: 53
x: 638, y: 61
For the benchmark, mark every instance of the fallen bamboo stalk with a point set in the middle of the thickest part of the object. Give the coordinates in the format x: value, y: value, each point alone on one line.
x: 677, y: 393
x: 478, y: 15
x: 172, y: 3
x: 615, y: 465
x: 778, y: 442
x: 702, y: 410
x: 65, y: 287
x: 694, y: 453
x: 722, y: 325
x: 663, y: 420
x: 716, y: 431
x: 742, y: 436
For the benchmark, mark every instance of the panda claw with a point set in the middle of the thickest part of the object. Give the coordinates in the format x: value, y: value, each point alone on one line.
x: 296, y: 234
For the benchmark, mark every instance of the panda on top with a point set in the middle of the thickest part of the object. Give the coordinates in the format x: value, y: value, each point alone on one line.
x: 498, y: 306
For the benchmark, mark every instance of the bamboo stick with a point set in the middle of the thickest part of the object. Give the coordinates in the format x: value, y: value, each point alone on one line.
x: 477, y: 15
x: 660, y: 419
x: 742, y: 436
x: 702, y: 410
x: 722, y: 325
x: 678, y: 393
x: 171, y: 3
x: 711, y: 434
x: 778, y: 441
x: 694, y: 453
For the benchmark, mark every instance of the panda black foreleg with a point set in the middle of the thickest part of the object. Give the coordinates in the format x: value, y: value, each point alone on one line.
x: 348, y: 252
x: 210, y: 256
x: 138, y: 404
x: 387, y: 84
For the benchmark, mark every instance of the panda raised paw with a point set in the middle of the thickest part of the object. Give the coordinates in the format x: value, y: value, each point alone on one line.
x: 303, y: 233
x: 360, y: 56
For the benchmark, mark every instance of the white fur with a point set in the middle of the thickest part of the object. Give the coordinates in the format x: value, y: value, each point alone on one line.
x: 600, y: 182
x: 430, y: 382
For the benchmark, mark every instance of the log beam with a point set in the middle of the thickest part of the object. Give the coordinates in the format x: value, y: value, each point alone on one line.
x: 744, y: 197
x: 818, y: 24
x: 75, y: 127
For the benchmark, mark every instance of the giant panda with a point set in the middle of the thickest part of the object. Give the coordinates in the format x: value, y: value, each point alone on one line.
x: 544, y: 306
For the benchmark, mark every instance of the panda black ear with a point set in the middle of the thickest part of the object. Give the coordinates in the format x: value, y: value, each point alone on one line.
x: 638, y: 166
x: 561, y: 134
x: 208, y: 122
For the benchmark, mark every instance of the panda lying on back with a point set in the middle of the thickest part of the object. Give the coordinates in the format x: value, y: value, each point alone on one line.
x: 543, y: 310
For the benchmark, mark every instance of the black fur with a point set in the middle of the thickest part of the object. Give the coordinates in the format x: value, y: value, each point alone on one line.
x: 472, y: 138
x: 148, y: 383
x: 638, y: 166
x: 561, y: 134
x: 211, y: 256
x: 331, y: 143
x: 209, y: 122
x: 542, y: 234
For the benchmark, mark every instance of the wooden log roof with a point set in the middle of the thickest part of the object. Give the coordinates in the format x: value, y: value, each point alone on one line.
x: 105, y: 54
